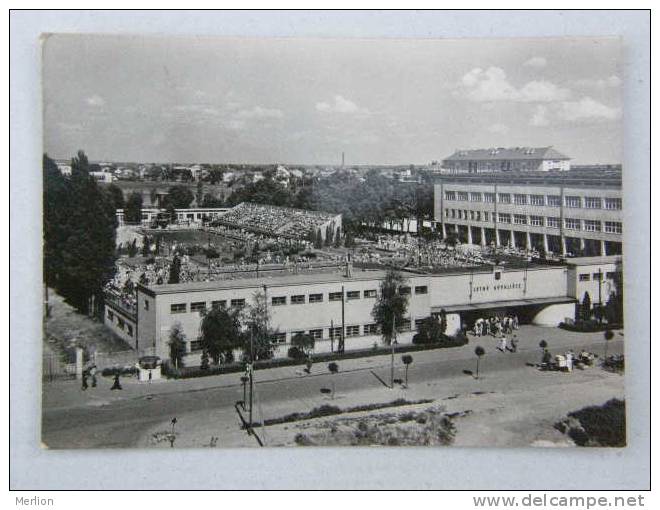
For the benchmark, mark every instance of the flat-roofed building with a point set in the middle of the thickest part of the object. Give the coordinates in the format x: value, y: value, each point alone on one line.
x: 325, y: 304
x: 501, y: 159
x: 564, y: 213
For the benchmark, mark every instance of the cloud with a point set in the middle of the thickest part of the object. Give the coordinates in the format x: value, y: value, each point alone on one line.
x: 340, y: 105
x: 498, y: 128
x: 540, y: 119
x: 492, y: 85
x: 587, y: 109
x: 583, y: 110
x: 95, y: 101
x: 600, y: 83
x: 537, y: 62
x: 258, y: 112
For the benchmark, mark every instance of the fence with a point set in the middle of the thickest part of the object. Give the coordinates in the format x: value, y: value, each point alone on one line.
x: 55, y: 367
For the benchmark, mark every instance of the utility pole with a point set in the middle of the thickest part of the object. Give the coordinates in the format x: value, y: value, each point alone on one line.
x: 600, y: 295
x: 343, y: 326
x: 251, y: 368
x: 392, y: 345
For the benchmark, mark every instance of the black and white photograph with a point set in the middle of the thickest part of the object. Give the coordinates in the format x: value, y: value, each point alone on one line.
x: 305, y: 242
x: 330, y: 250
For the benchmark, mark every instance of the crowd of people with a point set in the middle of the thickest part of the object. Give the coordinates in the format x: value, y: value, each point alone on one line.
x: 495, y: 326
x: 275, y: 221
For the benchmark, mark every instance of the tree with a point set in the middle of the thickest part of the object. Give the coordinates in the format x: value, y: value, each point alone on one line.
x: 79, y: 235
x: 333, y: 368
x: 220, y: 333
x: 608, y: 335
x: 329, y: 232
x: 211, y: 201
x: 179, y: 197
x: 338, y: 238
x: 391, y: 305
x: 177, y: 345
x: 132, y: 248
x: 304, y: 343
x: 586, y: 307
x: 479, y: 351
x: 318, y: 240
x: 614, y: 308
x: 429, y: 332
x: 133, y: 209
x: 205, y: 360
x: 146, y: 246
x: 258, y: 343
x: 116, y: 196
x: 407, y: 360
x: 443, y: 321
x: 175, y: 270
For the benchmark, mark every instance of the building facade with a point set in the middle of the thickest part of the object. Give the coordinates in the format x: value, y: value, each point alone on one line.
x: 325, y: 305
x: 565, y: 214
x: 514, y: 159
x: 183, y: 216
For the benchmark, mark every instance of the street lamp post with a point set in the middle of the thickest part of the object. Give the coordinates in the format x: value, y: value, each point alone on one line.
x: 392, y: 345
x: 251, y: 369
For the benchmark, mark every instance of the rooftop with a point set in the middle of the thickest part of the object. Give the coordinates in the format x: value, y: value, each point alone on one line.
x: 510, y: 153
x: 593, y: 261
x: 599, y: 178
x: 312, y: 278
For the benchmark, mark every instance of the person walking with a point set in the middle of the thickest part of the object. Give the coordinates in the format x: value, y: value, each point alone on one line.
x: 514, y: 344
x: 92, y: 372
x: 84, y: 381
x: 116, y: 384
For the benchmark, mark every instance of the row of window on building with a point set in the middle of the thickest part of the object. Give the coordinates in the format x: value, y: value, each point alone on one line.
x: 571, y: 201
x: 121, y: 323
x: 596, y: 277
x: 610, y: 227
x: 295, y: 299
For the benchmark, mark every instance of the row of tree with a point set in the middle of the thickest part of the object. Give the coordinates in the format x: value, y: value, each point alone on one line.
x: 79, y: 234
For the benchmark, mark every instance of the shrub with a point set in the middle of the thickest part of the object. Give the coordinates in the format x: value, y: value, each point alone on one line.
x: 295, y: 353
x: 599, y: 425
x: 112, y: 371
x: 590, y: 326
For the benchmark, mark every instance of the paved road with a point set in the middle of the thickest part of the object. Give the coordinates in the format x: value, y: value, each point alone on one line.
x: 121, y: 423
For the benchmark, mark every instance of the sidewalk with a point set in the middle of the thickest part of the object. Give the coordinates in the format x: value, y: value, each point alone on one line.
x: 67, y: 394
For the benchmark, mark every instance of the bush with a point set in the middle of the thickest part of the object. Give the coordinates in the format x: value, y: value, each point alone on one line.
x: 192, y: 372
x: 590, y: 326
x: 442, y: 342
x: 296, y: 354
x: 598, y: 425
x: 112, y: 371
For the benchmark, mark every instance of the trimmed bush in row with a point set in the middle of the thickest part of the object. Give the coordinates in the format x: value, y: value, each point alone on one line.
x: 192, y: 372
x: 590, y: 326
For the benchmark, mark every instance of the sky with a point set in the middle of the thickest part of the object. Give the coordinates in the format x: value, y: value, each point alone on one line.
x: 305, y: 101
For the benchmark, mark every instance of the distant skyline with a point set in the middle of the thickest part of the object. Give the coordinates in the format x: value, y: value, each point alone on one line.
x: 305, y: 101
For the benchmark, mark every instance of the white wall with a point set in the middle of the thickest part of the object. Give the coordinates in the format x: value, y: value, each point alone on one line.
x: 552, y: 315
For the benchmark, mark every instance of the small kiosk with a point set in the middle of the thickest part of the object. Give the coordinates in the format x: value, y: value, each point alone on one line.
x: 149, y: 368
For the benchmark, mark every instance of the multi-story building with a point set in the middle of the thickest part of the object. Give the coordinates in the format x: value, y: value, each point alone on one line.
x: 514, y: 159
x: 562, y: 213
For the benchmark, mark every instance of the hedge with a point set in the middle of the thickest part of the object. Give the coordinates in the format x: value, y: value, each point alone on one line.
x: 591, y: 326
x: 193, y: 372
